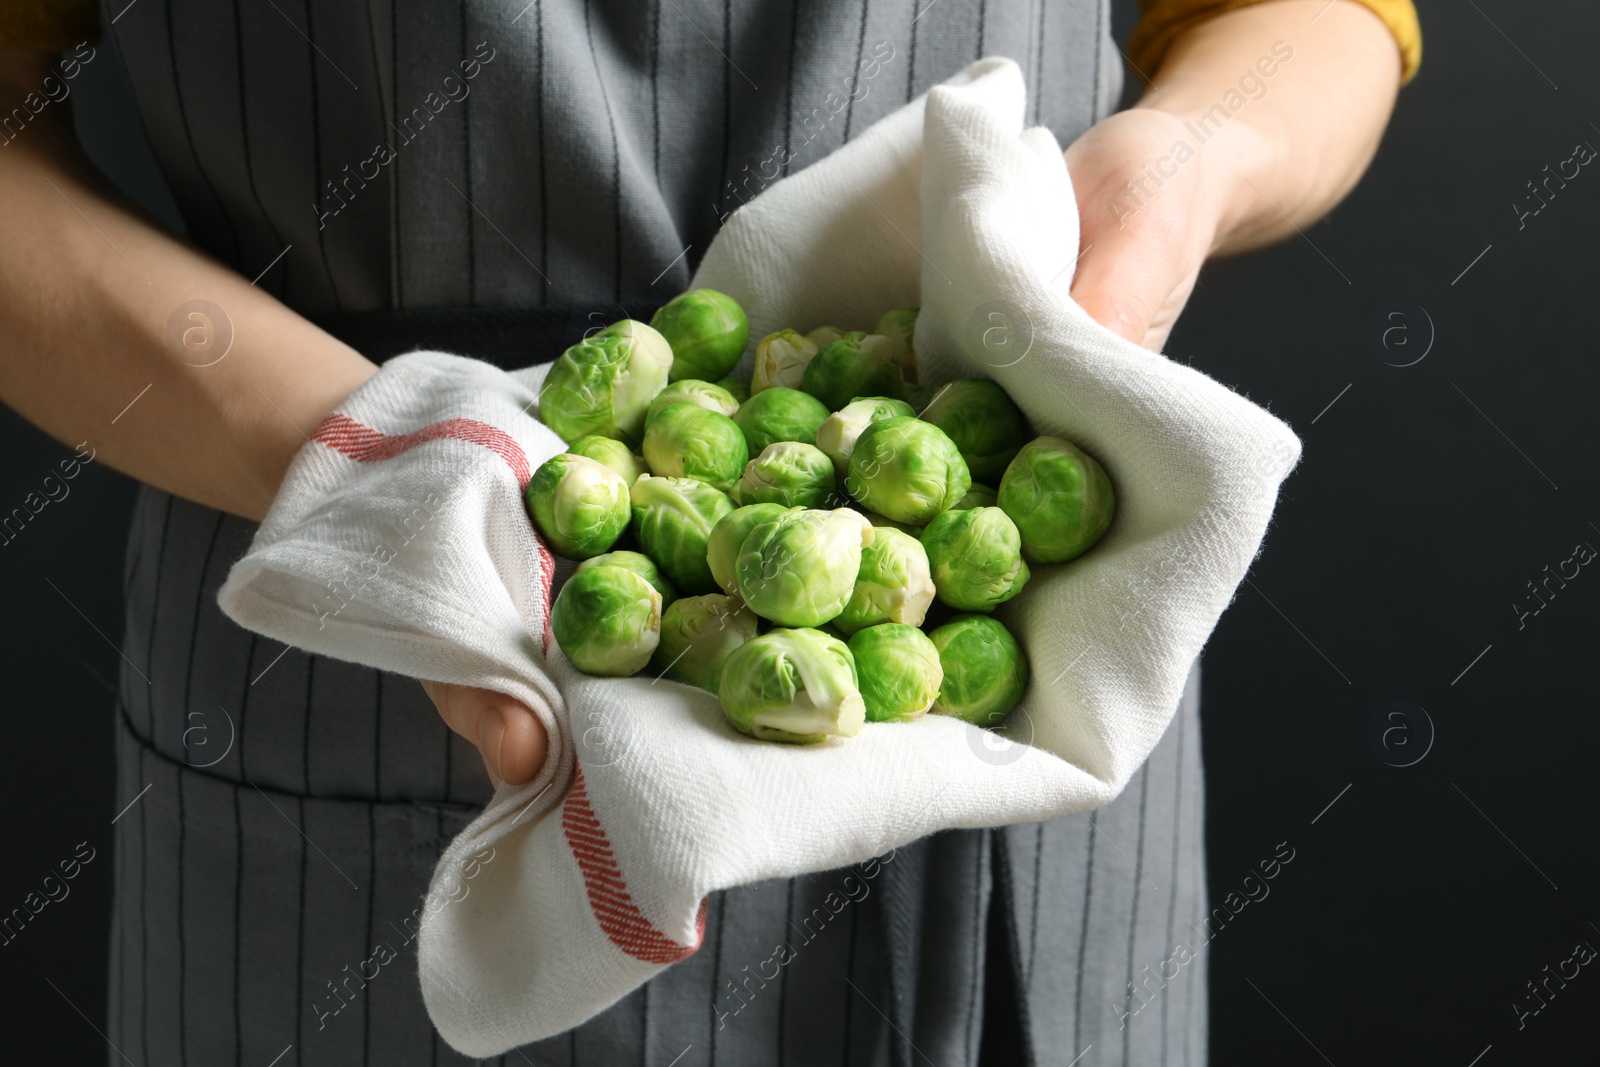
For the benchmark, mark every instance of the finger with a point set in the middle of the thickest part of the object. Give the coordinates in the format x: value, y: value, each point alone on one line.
x: 1129, y: 269
x: 512, y: 736
x: 508, y: 735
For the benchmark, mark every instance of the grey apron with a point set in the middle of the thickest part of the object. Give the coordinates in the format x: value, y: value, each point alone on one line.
x: 490, y: 179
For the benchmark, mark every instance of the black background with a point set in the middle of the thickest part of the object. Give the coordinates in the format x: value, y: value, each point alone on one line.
x: 1421, y: 902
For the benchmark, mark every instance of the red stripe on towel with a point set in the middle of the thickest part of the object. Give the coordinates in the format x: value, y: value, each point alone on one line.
x: 547, y: 570
x: 365, y: 445
x: 613, y: 906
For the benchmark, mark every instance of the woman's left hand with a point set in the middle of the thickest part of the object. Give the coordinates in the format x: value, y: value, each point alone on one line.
x: 1147, y: 222
x: 1265, y: 116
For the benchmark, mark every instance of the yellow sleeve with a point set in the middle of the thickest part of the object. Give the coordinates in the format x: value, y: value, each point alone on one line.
x: 1162, y: 21
x: 48, y: 25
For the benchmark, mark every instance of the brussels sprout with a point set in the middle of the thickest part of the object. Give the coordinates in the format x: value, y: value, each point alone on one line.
x: 918, y: 397
x: 687, y: 441
x: 857, y: 364
x: 673, y: 518
x: 697, y: 635
x: 838, y: 432
x: 983, y: 422
x: 883, y: 522
x: 897, y: 668
x: 612, y: 453
x: 722, y: 548
x: 707, y: 395
x: 833, y: 631
x: 976, y: 556
x: 790, y: 473
x: 979, y: 496
x: 1060, y: 498
x: 781, y: 359
x: 607, y: 620
x: 900, y: 326
x: 906, y: 469
x: 739, y: 390
x: 707, y: 331
x: 579, y: 505
x: 985, y: 671
x: 792, y: 685
x: 800, y: 568
x: 779, y: 414
x: 894, y: 584
x: 823, y: 336
x: 641, y: 565
x: 603, y: 384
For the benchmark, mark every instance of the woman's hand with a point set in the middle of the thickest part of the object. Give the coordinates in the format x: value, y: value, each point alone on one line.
x: 509, y: 737
x: 1144, y: 235
x: 1261, y: 120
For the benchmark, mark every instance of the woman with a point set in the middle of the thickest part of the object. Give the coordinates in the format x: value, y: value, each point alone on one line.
x: 491, y: 180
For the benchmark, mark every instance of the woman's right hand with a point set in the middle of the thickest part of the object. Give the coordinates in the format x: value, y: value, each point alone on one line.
x: 508, y: 735
x: 88, y: 358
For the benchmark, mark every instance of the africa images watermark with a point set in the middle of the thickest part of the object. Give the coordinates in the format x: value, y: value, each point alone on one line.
x: 55, y: 491
x: 55, y: 91
x: 55, y: 889
x: 855, y: 890
x: 1252, y: 86
x: 1582, y: 955
x: 360, y: 575
x: 452, y: 890
x: 1582, y: 154
x: 1582, y: 554
x: 1143, y: 991
x: 411, y: 126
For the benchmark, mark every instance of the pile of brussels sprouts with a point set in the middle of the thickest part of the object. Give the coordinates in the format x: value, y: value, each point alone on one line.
x: 783, y: 543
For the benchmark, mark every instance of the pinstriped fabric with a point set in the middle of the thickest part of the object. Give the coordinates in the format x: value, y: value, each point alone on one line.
x: 276, y: 283
x: 316, y: 146
x: 430, y: 168
x: 543, y: 159
x: 469, y: 161
x: 1038, y: 60
x: 1178, y: 816
x: 601, y: 141
x: 911, y: 53
x: 180, y: 99
x: 346, y: 119
x: 1137, y: 860
x: 397, y: 235
x: 638, y: 118
x: 614, y: 183
x: 1101, y: 903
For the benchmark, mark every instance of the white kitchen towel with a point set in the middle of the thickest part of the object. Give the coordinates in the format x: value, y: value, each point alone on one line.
x: 399, y: 541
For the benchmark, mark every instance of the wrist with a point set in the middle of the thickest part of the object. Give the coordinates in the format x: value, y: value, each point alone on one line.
x: 287, y: 407
x: 1236, y: 160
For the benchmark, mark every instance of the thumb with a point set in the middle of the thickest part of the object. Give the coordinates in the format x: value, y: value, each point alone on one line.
x: 506, y: 732
x: 1123, y: 278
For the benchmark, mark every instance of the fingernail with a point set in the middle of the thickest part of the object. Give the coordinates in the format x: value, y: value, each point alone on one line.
x: 491, y: 735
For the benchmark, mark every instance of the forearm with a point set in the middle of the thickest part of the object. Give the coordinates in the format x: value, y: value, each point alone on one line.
x: 1304, y: 133
x: 87, y: 285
